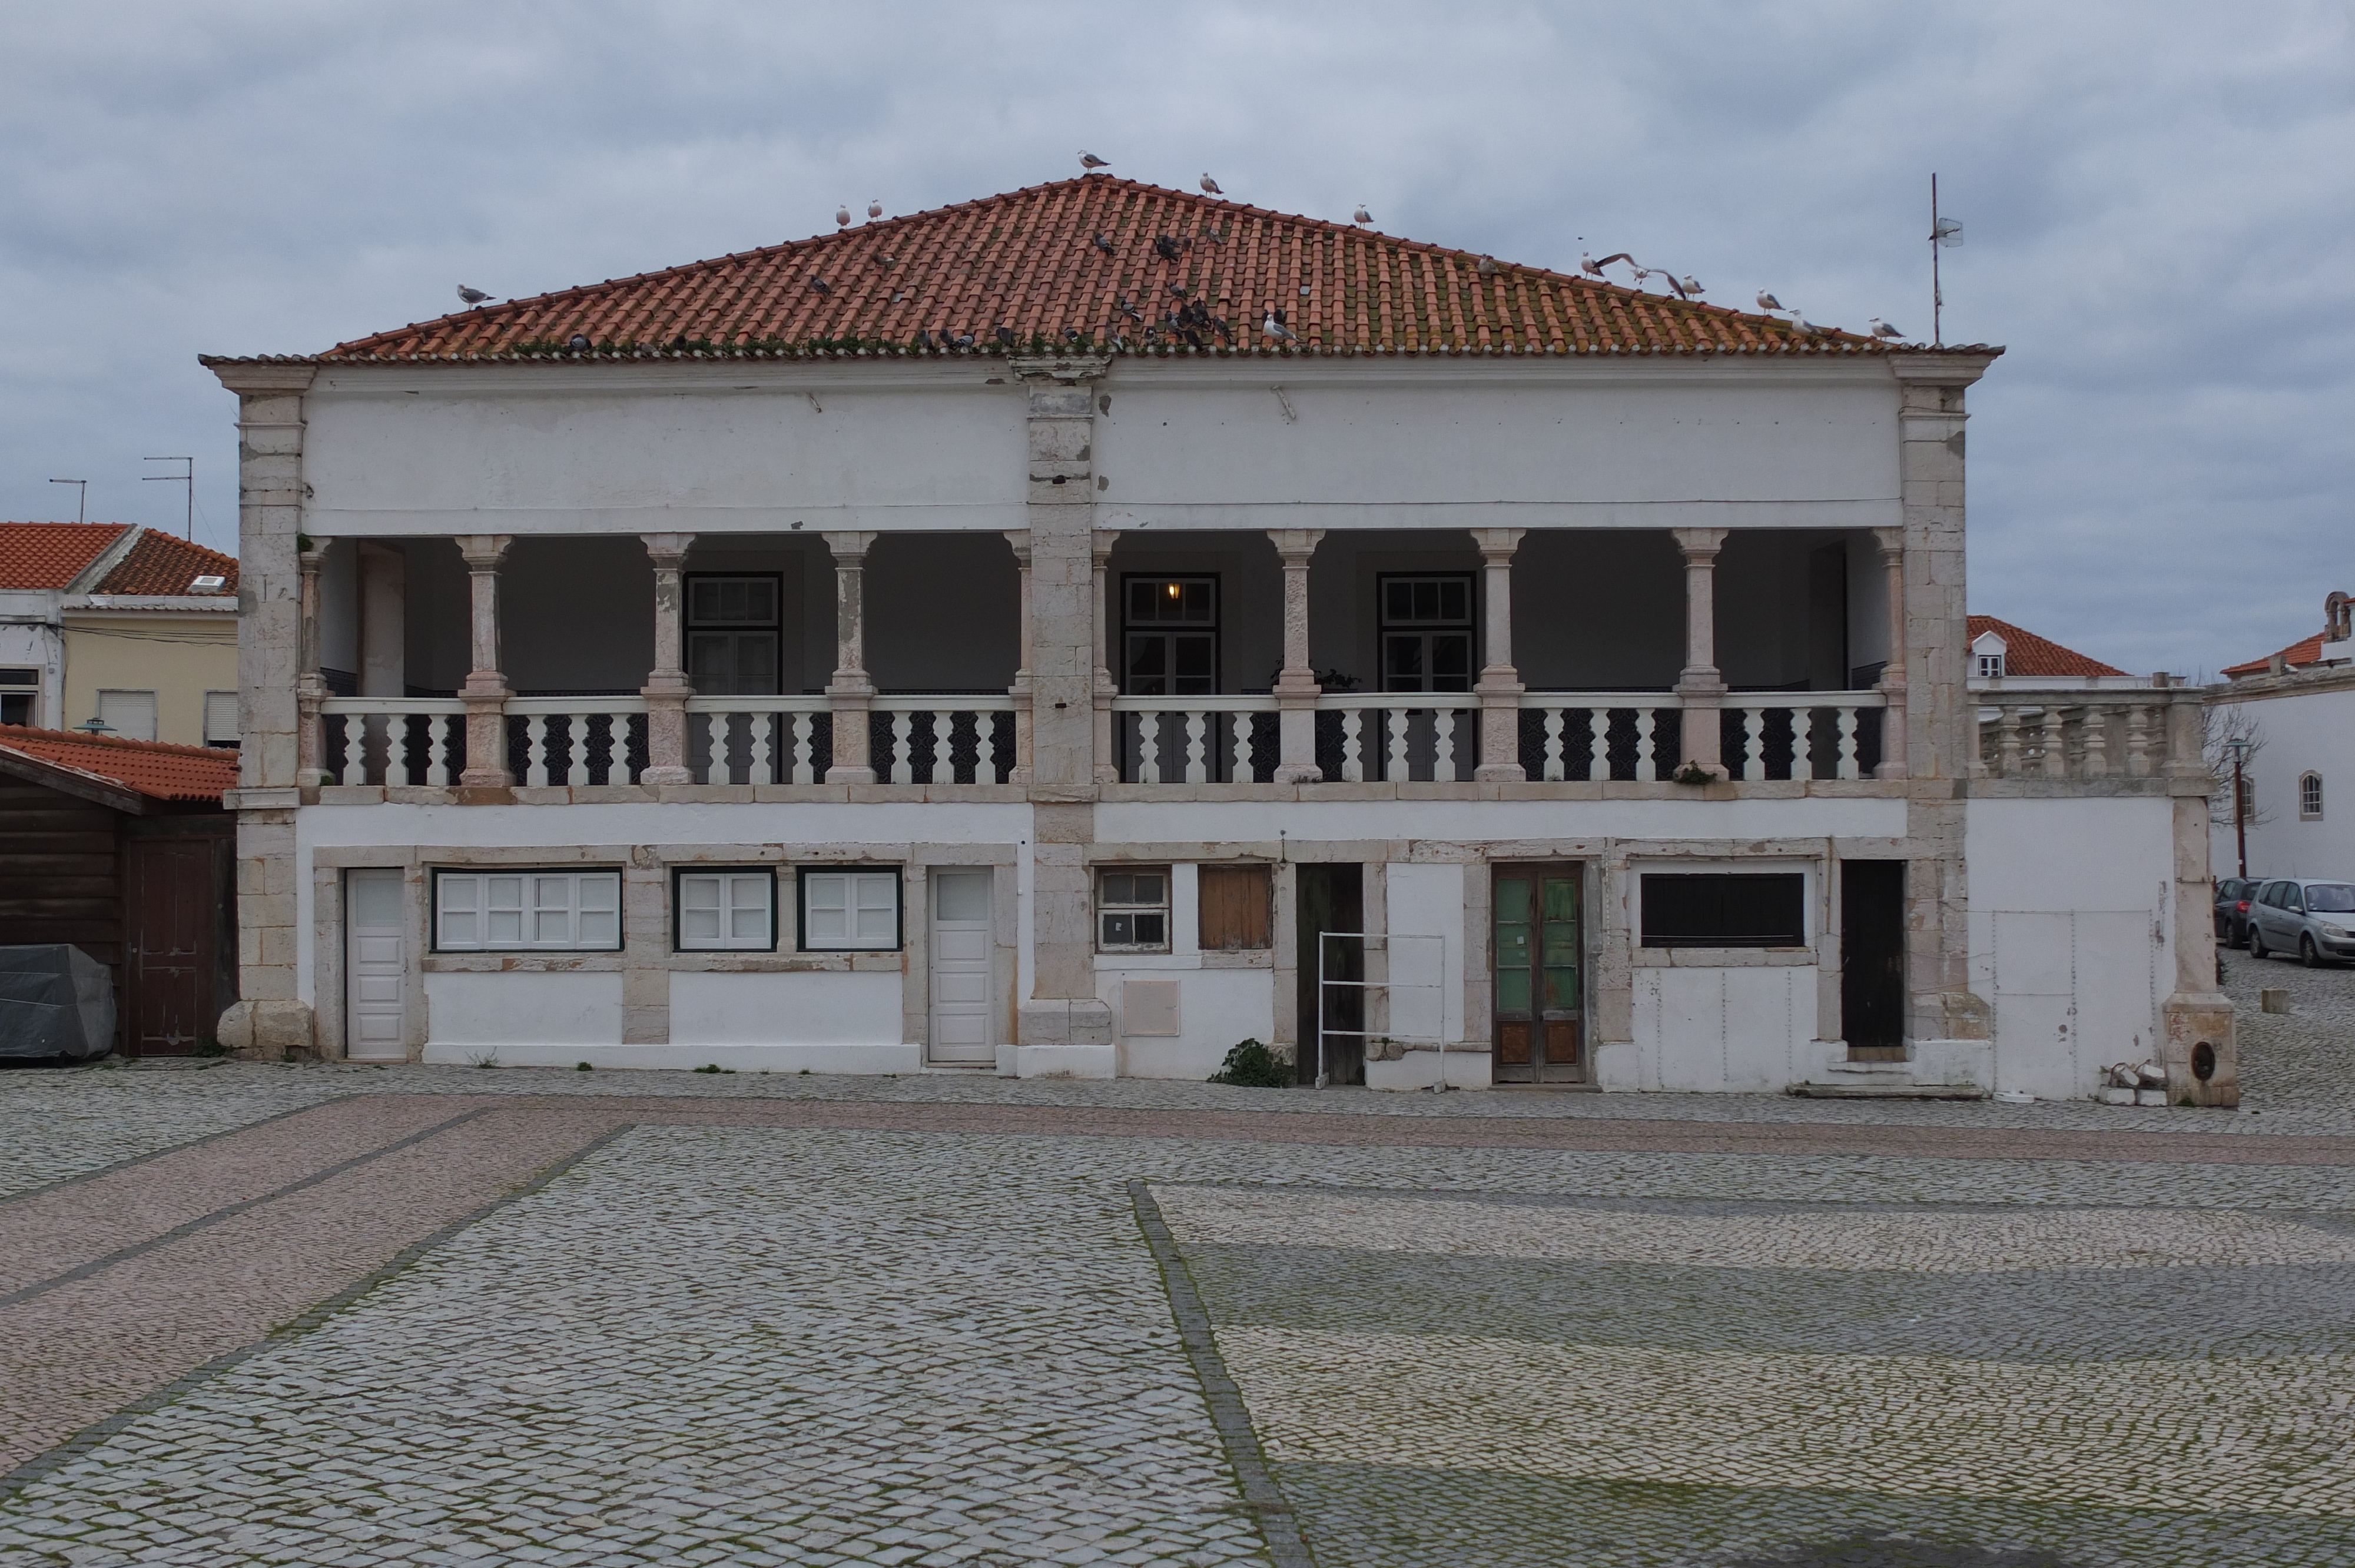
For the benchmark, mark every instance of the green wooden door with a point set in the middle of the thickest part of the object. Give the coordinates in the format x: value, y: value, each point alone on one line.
x: 1535, y: 953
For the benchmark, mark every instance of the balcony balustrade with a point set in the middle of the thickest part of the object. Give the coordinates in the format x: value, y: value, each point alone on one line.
x: 2074, y: 735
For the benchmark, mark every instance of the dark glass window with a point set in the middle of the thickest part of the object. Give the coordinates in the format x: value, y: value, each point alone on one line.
x: 1725, y: 909
x: 1426, y: 633
x: 1171, y: 638
x: 733, y: 633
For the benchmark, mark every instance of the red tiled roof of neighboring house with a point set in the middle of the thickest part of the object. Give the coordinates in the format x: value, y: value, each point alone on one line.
x: 152, y: 768
x: 160, y: 564
x: 2025, y: 654
x: 51, y: 555
x: 1048, y: 269
x: 2307, y: 651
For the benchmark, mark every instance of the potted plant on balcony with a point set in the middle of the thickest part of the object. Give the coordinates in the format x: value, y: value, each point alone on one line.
x: 1693, y: 773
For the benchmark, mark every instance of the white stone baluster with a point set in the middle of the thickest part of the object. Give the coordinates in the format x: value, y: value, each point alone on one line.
x: 2137, y: 741
x: 943, y: 755
x: 1803, y: 749
x: 903, y: 771
x: 1241, y: 725
x: 1553, y: 767
x: 1353, y: 726
x: 1148, y: 748
x: 1442, y: 746
x: 1847, y: 767
x: 618, y: 770
x: 535, y: 751
x: 2097, y: 742
x: 1647, y: 765
x: 437, y: 749
x: 1197, y: 763
x: 2007, y: 743
x: 1395, y: 723
x: 984, y: 747
x: 804, y: 763
x: 760, y: 747
x: 2056, y: 752
x: 1598, y: 724
x: 1754, y: 743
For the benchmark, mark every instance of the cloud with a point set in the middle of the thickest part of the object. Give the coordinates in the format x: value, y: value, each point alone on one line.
x: 2157, y: 197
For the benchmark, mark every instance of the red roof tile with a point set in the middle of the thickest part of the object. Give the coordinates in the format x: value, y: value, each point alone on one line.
x: 2308, y: 650
x: 51, y: 555
x: 1025, y: 271
x: 160, y: 564
x: 2025, y: 654
x: 152, y: 768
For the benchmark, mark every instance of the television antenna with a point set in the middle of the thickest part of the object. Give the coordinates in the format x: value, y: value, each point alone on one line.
x: 1944, y: 231
x: 81, y: 513
x: 186, y: 477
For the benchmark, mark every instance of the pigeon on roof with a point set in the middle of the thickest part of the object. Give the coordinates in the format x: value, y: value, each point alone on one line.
x: 472, y: 296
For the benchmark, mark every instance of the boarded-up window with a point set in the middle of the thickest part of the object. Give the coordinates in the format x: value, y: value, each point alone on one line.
x: 1725, y: 909
x: 1235, y: 901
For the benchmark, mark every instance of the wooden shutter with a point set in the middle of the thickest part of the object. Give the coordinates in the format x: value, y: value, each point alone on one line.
x: 1235, y: 908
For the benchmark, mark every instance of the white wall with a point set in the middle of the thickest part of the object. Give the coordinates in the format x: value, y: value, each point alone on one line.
x: 1217, y: 1007
x: 2312, y: 730
x: 1424, y: 908
x: 1716, y: 1029
x: 824, y: 1008
x: 515, y: 1016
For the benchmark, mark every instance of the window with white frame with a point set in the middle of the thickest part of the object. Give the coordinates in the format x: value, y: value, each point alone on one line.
x: 1990, y: 666
x: 1132, y: 910
x: 543, y: 911
x: 850, y: 911
x: 2309, y: 797
x: 726, y: 911
x: 220, y: 719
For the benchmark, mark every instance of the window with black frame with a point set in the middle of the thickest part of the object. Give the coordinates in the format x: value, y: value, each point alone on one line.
x: 1724, y: 910
x: 1426, y: 632
x: 734, y: 631
x: 1170, y: 636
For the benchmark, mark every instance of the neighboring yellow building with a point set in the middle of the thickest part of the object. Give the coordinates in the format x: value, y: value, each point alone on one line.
x: 125, y: 625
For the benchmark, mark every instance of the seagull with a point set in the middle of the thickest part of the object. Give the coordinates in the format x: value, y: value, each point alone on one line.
x: 1211, y: 187
x: 1767, y: 302
x: 874, y: 206
x: 472, y: 296
x: 1273, y: 326
x: 1593, y: 269
x: 1361, y: 215
x: 1488, y: 268
x: 1881, y: 329
x: 1802, y: 325
x: 842, y: 216
x: 1091, y: 162
x: 1692, y: 285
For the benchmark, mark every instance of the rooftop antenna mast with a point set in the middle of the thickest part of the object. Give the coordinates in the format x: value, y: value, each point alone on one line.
x: 1944, y: 231
x: 186, y: 477
x: 81, y: 513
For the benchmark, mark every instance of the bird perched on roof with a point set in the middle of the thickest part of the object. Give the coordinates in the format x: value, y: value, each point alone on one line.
x: 472, y: 296
x: 821, y: 285
x: 1127, y: 307
x: 1488, y: 268
x: 1168, y: 248
x: 1361, y: 215
x: 1091, y: 162
x: 962, y: 340
x: 1882, y: 329
x: 1802, y: 325
x: 578, y: 342
x: 1209, y: 185
x: 1767, y: 302
x: 1103, y: 242
x: 1005, y: 335
x: 1274, y: 327
x: 842, y: 216
x: 1692, y: 285
x: 1178, y: 289
x: 874, y: 206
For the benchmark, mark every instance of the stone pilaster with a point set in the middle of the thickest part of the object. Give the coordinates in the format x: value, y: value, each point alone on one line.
x: 1500, y: 688
x: 1107, y: 757
x: 1890, y: 543
x: 667, y: 690
x: 271, y: 1018
x: 1020, y: 692
x: 485, y: 692
x: 850, y: 695
x: 2196, y: 1014
x: 1297, y: 690
x: 645, y: 949
x: 1940, y: 721
x: 1061, y: 1025
x: 310, y: 685
x: 1700, y: 690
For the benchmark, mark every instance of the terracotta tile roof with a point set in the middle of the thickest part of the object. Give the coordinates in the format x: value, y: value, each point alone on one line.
x: 152, y: 768
x: 160, y: 564
x: 2025, y: 654
x: 2308, y: 650
x: 51, y: 555
x: 1026, y: 272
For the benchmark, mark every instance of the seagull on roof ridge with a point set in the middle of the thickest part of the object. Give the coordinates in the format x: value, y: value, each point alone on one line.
x: 1091, y: 162
x: 471, y: 295
x: 1209, y: 185
x: 1767, y: 302
x: 874, y: 207
x: 1882, y: 329
x: 1802, y: 325
x: 842, y: 216
x: 1273, y: 326
x: 1361, y: 215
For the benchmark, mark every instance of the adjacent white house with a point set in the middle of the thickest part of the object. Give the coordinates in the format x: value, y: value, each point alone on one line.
x: 1077, y: 631
x: 2296, y: 708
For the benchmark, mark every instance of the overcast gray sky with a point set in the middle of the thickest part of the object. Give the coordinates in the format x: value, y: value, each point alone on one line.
x: 2156, y: 196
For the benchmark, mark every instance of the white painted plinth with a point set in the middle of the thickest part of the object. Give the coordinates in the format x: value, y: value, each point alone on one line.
x: 866, y: 1059
x: 1619, y: 1068
x: 1466, y: 1069
x: 1067, y: 1061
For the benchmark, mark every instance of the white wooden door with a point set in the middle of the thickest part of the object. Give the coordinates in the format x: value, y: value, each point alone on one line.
x: 376, y: 966
x: 961, y: 1033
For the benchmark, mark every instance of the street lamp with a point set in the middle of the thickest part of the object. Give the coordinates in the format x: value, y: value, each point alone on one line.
x: 2239, y: 746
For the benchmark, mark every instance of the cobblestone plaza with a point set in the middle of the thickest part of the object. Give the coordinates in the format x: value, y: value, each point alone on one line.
x: 361, y: 1315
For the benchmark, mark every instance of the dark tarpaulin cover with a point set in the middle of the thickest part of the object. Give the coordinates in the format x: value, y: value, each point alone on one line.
x: 55, y: 1001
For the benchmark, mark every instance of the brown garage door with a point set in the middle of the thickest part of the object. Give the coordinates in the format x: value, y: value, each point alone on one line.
x: 171, y: 913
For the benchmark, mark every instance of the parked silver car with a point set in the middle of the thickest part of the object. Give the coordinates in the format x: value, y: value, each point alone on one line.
x: 2311, y: 917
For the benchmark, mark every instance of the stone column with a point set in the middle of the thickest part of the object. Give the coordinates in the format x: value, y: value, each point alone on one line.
x: 1940, y: 733
x: 485, y: 692
x: 667, y: 689
x: 851, y: 693
x: 1297, y: 690
x: 1062, y: 1026
x: 1500, y: 688
x: 1100, y: 543
x: 310, y: 685
x: 2195, y: 1013
x: 1891, y: 545
x: 1020, y: 690
x: 271, y: 1019
x: 1699, y: 689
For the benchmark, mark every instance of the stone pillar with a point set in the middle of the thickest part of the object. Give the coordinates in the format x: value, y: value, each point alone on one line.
x: 1940, y: 717
x: 1062, y: 1026
x: 1297, y: 690
x: 1020, y: 690
x: 667, y: 690
x: 310, y: 685
x: 1891, y: 545
x: 271, y: 1019
x: 2195, y: 1013
x: 1100, y: 543
x: 1500, y: 688
x: 1699, y: 689
x: 851, y: 693
x: 485, y: 692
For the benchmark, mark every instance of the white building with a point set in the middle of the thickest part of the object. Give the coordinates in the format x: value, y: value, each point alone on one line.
x: 2298, y: 708
x: 998, y: 639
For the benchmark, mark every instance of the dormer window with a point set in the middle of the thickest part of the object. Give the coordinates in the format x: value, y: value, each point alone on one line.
x: 208, y: 583
x: 1990, y: 666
